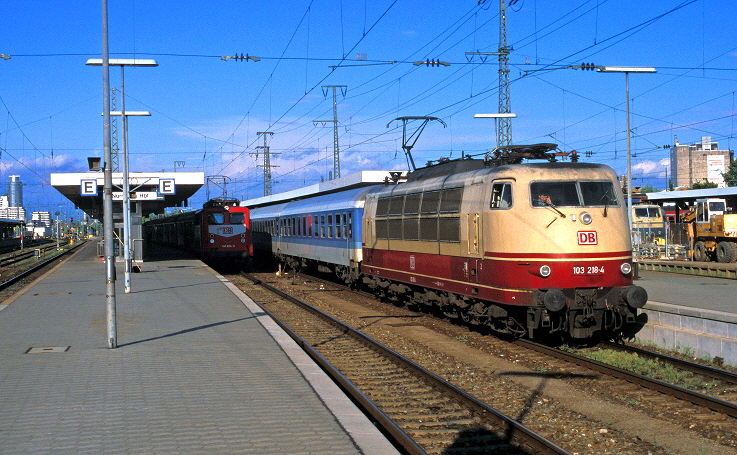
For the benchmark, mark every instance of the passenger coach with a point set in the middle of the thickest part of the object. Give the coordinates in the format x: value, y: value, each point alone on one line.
x: 321, y: 231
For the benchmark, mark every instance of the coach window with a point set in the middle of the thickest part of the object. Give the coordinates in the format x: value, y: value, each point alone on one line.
x: 501, y: 195
x: 338, y: 227
x: 330, y: 226
x: 216, y: 218
x: 322, y: 226
x: 350, y: 225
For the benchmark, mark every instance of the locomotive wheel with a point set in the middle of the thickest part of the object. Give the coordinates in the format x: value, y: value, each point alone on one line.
x: 726, y: 252
x: 699, y: 252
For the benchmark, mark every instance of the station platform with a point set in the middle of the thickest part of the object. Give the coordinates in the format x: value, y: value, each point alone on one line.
x: 198, y: 369
x: 692, y: 314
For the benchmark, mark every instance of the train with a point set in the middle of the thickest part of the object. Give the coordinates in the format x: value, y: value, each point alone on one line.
x: 518, y: 242
x: 221, y: 231
x: 648, y: 222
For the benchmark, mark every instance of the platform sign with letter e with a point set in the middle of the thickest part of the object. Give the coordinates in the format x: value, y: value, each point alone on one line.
x: 166, y: 186
x: 88, y: 187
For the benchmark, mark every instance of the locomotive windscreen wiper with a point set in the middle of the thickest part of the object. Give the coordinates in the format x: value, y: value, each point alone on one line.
x: 546, y: 201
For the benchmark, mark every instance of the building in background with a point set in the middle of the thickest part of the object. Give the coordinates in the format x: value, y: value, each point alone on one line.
x: 41, y: 218
x: 700, y: 162
x: 11, y: 204
x: 41, y: 224
x: 15, y: 191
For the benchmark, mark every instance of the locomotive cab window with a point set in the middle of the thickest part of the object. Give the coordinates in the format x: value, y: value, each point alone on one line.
x: 599, y: 193
x: 216, y: 218
x: 573, y: 194
x: 237, y: 218
x: 558, y: 194
x: 647, y: 212
x: 501, y: 195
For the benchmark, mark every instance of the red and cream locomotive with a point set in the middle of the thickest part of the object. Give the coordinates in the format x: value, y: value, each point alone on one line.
x: 523, y: 248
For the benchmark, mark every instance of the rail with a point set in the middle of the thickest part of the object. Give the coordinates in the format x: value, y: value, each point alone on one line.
x: 524, y: 438
x: 699, y: 399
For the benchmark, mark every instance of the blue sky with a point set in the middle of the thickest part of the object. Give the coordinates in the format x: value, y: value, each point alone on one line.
x: 207, y: 111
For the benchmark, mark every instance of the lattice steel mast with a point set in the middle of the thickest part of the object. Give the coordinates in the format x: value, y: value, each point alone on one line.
x: 504, y: 125
x: 334, y: 121
x: 267, y: 164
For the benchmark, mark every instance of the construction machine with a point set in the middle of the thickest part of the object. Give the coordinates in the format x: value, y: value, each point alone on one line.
x: 712, y: 230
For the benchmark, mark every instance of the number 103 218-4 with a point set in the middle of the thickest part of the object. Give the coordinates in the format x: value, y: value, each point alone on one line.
x: 589, y: 270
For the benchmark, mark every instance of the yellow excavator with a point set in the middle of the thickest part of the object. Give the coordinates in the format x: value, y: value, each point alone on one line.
x: 712, y: 230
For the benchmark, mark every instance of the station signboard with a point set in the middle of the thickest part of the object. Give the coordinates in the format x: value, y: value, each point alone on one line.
x: 88, y: 187
x: 140, y: 196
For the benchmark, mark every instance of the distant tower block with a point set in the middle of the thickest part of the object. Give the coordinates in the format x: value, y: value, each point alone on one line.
x: 15, y: 191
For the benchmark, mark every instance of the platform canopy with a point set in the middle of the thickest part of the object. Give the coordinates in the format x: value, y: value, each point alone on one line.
x: 155, y: 191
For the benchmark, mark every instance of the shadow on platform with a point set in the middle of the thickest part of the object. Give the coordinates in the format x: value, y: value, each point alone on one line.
x: 156, y: 253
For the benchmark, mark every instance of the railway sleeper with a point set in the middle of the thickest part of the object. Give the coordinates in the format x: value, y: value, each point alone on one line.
x: 433, y: 416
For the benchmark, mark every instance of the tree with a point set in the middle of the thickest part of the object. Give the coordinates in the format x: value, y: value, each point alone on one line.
x: 649, y: 189
x: 730, y: 177
x: 703, y: 185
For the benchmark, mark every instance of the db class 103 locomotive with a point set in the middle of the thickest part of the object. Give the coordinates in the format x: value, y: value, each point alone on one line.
x: 524, y: 248
x: 220, y: 230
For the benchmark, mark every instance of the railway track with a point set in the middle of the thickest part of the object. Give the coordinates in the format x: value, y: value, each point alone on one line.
x: 721, y: 399
x: 421, y: 411
x: 711, y: 419
x: 724, y: 409
x: 18, y: 266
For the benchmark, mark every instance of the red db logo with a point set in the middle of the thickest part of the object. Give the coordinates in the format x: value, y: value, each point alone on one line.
x: 587, y: 238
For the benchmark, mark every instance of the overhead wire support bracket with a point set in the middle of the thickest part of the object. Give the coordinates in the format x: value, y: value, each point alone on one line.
x: 432, y: 62
x: 240, y: 57
x: 406, y: 146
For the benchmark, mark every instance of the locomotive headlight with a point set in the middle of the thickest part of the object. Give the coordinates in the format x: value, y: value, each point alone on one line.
x: 625, y: 268
x: 212, y: 240
x: 545, y: 271
x: 586, y: 218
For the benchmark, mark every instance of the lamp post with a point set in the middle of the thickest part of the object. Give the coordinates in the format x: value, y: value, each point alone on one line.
x: 127, y: 247
x: 627, y: 70
x: 122, y: 63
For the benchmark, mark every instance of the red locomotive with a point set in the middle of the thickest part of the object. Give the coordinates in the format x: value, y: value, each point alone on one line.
x: 220, y: 230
